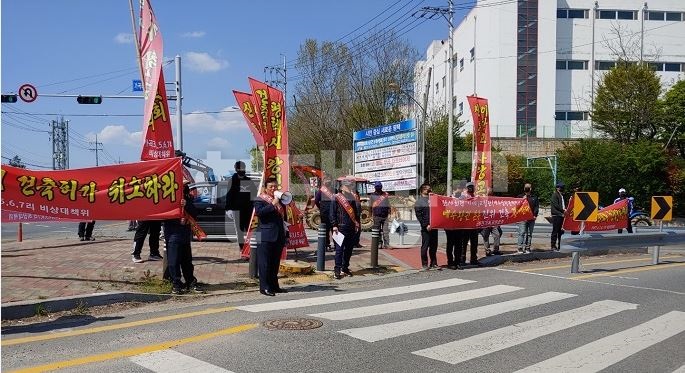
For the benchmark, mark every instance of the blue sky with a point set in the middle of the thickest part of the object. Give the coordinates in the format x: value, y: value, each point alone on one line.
x: 86, y: 47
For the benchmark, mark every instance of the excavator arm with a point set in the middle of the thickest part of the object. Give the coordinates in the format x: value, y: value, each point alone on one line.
x: 194, y: 164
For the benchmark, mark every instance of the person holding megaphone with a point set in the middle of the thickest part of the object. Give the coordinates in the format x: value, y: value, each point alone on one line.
x: 271, y: 235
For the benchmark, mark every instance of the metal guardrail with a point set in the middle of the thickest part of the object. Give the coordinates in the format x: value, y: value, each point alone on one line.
x: 608, y: 241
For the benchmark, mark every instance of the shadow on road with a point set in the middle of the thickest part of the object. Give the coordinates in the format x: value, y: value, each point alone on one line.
x: 61, y: 322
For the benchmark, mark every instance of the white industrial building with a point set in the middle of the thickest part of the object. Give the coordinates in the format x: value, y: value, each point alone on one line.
x: 536, y: 61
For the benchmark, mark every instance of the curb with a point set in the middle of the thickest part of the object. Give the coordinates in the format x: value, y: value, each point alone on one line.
x: 23, y: 309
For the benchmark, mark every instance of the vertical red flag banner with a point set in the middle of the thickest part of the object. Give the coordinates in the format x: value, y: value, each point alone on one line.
x: 149, y: 190
x: 481, y: 169
x: 249, y: 109
x: 612, y: 217
x: 158, y: 141
x: 271, y: 111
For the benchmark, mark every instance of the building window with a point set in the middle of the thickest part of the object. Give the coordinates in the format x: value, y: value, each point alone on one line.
x: 673, y: 67
x: 657, y: 66
x: 673, y: 16
x: 473, y: 53
x: 571, y: 115
x: 604, y: 65
x: 461, y: 108
x: 617, y: 14
x: 461, y: 64
x: 573, y: 13
x: 444, y: 81
x: 655, y: 16
x: 572, y: 65
x: 437, y: 88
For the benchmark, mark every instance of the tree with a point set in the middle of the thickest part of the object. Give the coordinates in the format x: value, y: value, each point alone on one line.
x: 16, y: 162
x: 256, y: 159
x: 436, y: 152
x: 626, y: 106
x: 345, y: 87
x: 673, y: 105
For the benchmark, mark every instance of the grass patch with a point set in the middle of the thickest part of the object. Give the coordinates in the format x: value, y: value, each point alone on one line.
x: 41, y: 310
x: 149, y: 283
x: 81, y: 308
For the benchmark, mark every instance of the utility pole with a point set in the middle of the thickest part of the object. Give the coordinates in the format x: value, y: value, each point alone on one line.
x: 277, y: 77
x: 179, y: 104
x: 98, y: 147
x: 447, y: 13
x: 60, y: 144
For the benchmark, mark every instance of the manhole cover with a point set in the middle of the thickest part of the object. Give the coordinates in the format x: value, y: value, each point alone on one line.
x: 292, y: 324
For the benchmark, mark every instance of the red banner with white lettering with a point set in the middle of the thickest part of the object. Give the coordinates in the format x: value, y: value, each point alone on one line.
x: 249, y: 109
x: 477, y: 212
x: 609, y: 218
x: 481, y: 168
x: 158, y: 139
x: 150, y: 190
x: 271, y: 112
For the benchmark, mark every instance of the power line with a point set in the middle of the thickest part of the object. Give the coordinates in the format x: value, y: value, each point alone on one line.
x: 28, y: 164
x: 125, y: 115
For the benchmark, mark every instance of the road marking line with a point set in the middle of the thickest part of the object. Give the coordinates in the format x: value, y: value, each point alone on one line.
x: 413, y: 304
x: 629, y: 270
x: 385, y: 331
x: 680, y: 370
x: 609, y: 350
x: 72, y: 333
x: 330, y: 299
x: 592, y: 282
x: 596, y: 263
x: 170, y: 361
x: 513, y: 335
x: 135, y: 351
x: 624, y: 278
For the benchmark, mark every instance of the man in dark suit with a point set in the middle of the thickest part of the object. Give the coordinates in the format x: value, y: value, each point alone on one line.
x: 239, y: 200
x: 344, y: 215
x: 271, y: 238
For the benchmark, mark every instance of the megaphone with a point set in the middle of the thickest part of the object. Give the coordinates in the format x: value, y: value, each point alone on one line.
x: 285, y: 197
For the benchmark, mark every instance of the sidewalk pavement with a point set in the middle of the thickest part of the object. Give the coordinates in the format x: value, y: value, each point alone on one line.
x: 41, y: 271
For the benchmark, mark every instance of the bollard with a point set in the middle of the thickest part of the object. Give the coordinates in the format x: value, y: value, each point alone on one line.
x: 20, y: 233
x: 375, y: 237
x: 321, y: 248
x: 253, y: 257
x: 575, y: 262
x: 655, y: 254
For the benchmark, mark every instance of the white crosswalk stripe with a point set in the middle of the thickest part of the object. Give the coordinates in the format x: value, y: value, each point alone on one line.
x: 413, y: 304
x: 170, y: 361
x: 396, y: 329
x: 609, y: 350
x: 372, y: 294
x: 496, y: 340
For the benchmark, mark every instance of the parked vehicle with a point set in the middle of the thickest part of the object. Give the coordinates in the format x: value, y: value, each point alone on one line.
x: 210, y: 201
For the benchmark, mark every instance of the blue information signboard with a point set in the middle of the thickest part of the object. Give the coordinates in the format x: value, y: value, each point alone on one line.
x: 388, y: 129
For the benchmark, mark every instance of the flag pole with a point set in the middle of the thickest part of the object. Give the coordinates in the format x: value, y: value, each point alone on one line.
x: 136, y: 41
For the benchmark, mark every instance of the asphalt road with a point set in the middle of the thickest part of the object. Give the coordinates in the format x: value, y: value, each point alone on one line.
x: 620, y: 315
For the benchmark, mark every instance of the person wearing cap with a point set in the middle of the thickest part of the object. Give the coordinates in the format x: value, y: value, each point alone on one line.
x: 380, y: 209
x: 345, y: 216
x: 558, y: 209
x: 621, y: 196
x: 178, y: 235
x: 429, y: 236
x: 469, y: 236
x: 525, y: 228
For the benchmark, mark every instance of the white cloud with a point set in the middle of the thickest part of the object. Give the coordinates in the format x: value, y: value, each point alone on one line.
x: 218, y: 143
x: 117, y: 135
x: 193, y: 34
x: 203, y: 62
x: 124, y: 38
x: 228, y: 119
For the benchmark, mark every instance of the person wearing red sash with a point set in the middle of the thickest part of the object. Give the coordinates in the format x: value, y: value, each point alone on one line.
x: 271, y: 238
x: 429, y: 236
x: 178, y: 235
x: 344, y: 216
x: 380, y: 206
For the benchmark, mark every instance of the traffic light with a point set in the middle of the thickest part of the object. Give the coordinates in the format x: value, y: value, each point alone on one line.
x: 9, y: 98
x: 89, y: 99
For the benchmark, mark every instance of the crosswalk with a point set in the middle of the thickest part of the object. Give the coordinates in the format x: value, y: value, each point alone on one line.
x: 591, y: 357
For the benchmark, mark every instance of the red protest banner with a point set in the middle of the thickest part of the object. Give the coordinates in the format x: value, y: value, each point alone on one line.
x: 271, y: 111
x: 149, y: 190
x: 158, y: 141
x: 249, y: 109
x: 481, y: 168
x: 609, y: 218
x: 477, y: 212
